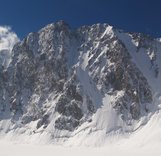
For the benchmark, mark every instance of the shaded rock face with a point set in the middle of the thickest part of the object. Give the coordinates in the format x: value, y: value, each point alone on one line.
x: 148, y: 43
x: 54, y: 70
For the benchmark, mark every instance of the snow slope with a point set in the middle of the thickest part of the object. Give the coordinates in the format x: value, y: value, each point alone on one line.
x: 144, y: 141
x: 33, y: 150
x: 143, y: 58
x: 107, y: 130
x: 148, y: 61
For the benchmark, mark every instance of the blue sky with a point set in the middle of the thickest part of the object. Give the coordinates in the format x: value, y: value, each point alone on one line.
x: 26, y: 16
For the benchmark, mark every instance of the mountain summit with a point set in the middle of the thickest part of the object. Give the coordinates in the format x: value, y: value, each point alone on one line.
x: 64, y: 83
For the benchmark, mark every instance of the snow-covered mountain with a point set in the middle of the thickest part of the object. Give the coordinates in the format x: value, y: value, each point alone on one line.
x: 95, y: 81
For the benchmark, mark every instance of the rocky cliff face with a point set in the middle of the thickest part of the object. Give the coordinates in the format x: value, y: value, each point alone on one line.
x: 58, y: 77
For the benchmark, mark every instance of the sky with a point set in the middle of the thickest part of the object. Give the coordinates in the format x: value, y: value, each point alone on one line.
x: 25, y: 16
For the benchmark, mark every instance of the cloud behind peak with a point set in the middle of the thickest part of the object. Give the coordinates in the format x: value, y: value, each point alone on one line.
x: 8, y: 39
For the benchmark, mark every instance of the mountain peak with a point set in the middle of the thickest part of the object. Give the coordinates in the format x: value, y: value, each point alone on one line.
x: 91, y: 79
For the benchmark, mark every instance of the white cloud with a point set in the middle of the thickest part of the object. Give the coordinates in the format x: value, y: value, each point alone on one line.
x: 8, y: 39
